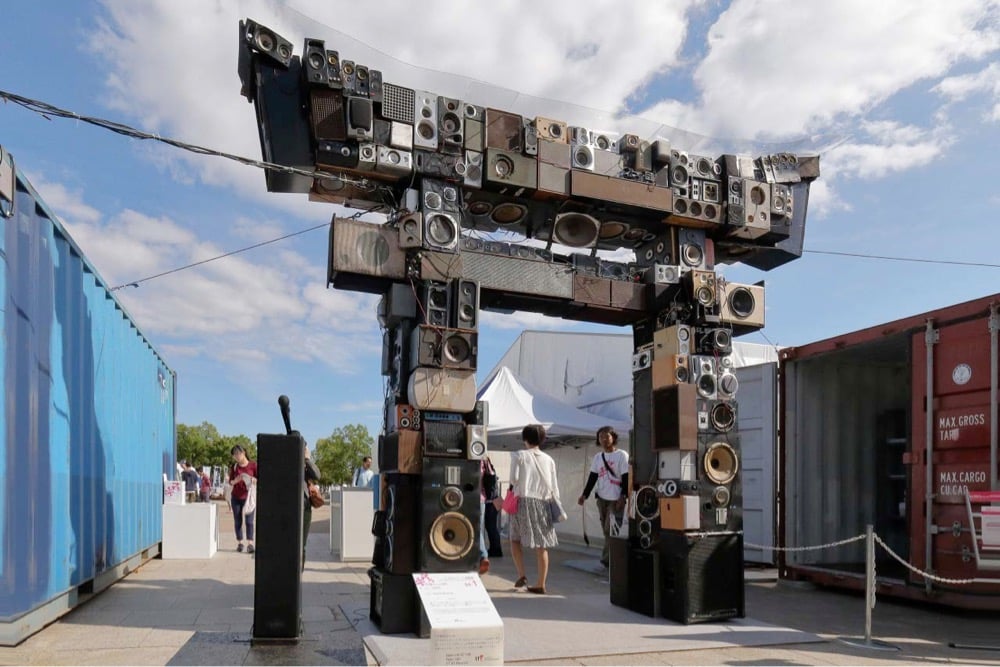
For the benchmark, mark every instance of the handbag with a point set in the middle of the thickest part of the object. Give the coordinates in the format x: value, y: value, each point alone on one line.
x: 510, y: 502
x: 556, y: 510
x: 315, y: 497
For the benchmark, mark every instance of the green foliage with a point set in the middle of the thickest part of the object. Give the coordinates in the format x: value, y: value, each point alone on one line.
x: 203, y: 445
x: 338, y: 455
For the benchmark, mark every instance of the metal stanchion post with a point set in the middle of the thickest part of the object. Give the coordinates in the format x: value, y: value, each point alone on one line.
x: 868, y: 642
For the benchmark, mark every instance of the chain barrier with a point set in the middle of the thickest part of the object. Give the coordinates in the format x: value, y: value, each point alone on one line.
x: 916, y: 570
x: 856, y: 538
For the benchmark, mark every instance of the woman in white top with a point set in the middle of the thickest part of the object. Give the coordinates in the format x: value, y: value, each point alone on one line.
x: 533, y: 476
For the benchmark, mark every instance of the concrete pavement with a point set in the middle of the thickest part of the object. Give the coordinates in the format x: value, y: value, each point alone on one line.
x: 195, y: 612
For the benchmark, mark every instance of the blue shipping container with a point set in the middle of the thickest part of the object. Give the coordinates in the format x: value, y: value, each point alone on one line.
x: 87, y: 425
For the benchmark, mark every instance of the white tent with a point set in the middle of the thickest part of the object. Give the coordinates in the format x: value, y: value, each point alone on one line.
x: 514, y: 404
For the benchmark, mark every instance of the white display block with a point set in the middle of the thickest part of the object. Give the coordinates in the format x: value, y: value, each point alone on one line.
x: 190, y: 531
x: 351, y: 514
x: 465, y: 626
x: 990, y: 526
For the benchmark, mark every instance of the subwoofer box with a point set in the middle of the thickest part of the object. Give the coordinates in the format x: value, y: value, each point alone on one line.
x: 393, y: 602
x: 643, y: 196
x: 364, y: 256
x: 400, y: 500
x: 701, y: 576
x: 449, y: 515
x: 277, y: 607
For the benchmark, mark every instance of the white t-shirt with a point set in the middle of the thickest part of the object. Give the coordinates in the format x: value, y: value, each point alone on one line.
x: 362, y: 477
x: 609, y: 487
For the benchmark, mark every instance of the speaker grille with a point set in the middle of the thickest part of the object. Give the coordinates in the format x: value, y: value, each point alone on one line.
x: 327, y: 109
x: 397, y: 103
x: 520, y: 276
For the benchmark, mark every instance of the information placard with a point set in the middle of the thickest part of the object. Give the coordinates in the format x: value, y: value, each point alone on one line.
x: 465, y: 626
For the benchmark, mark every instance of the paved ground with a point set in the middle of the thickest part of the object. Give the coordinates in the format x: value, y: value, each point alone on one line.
x: 193, y: 612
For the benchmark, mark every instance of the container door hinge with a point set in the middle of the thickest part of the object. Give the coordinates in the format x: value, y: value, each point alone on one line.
x: 932, y: 336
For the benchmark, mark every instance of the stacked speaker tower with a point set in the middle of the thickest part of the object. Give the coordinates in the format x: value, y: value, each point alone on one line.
x: 449, y: 174
x: 435, y: 430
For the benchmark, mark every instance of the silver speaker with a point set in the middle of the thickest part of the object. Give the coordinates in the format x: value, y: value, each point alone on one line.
x: 411, y: 230
x: 642, y: 359
x: 393, y: 161
x: 471, y: 169
x: 475, y: 441
x: 425, y: 120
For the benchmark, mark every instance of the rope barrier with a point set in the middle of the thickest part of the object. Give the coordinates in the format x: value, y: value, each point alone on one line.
x: 916, y: 570
x: 856, y: 538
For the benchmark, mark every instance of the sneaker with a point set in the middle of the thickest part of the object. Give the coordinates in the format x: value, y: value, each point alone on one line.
x: 249, y: 548
x: 484, y: 565
x: 239, y: 547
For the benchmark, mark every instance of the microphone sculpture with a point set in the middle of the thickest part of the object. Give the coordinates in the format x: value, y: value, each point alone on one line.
x: 277, y: 570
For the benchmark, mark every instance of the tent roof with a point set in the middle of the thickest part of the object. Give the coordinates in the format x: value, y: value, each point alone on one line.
x: 515, y: 404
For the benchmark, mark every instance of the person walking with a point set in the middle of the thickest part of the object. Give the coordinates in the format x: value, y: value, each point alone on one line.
x: 206, y: 485
x: 363, y: 475
x: 310, y: 475
x: 609, y: 472
x: 491, y: 516
x: 243, y: 477
x: 190, y: 478
x: 533, y: 478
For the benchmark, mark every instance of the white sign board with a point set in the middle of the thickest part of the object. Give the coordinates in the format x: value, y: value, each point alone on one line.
x: 991, y: 526
x: 465, y: 626
x: 173, y: 493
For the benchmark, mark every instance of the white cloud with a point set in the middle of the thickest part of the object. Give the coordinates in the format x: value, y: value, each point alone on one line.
x: 782, y: 68
x: 987, y: 80
x: 522, y: 320
x: 67, y: 203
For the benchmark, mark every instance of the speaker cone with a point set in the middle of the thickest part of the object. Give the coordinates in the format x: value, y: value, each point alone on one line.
x: 647, y: 505
x: 729, y: 384
x: 456, y: 349
x: 509, y: 214
x: 741, y: 302
x: 451, y: 497
x: 634, y: 234
x: 721, y: 496
x: 720, y: 463
x: 452, y: 536
x: 480, y: 207
x: 441, y: 229
x: 705, y: 296
x: 613, y: 229
x: 722, y: 416
x: 575, y: 229
x: 692, y: 255
x: 706, y: 385
x: 645, y: 527
x: 722, y: 339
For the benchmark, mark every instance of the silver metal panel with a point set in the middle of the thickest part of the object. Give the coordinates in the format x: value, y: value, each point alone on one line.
x: 832, y: 402
x: 518, y: 275
x: 758, y: 448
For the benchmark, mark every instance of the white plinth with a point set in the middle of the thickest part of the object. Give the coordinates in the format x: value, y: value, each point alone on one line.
x: 190, y: 531
x: 351, y: 513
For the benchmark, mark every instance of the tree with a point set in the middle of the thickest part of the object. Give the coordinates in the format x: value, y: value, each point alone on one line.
x: 338, y: 455
x: 203, y: 445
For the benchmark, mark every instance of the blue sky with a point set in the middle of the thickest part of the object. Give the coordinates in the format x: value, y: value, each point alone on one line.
x: 907, y: 93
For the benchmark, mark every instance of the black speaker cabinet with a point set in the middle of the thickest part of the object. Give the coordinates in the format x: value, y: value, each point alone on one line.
x: 400, y: 502
x: 283, y: 124
x: 277, y: 607
x: 701, y: 576
x: 444, y: 438
x: 465, y: 302
x: 675, y: 417
x: 449, y: 515
x: 619, y: 563
x: 720, y: 485
x: 643, y: 457
x: 393, y: 602
x: 644, y: 581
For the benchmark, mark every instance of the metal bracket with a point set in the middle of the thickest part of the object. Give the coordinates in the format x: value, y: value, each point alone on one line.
x: 7, y: 183
x: 931, y: 336
x: 956, y: 529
